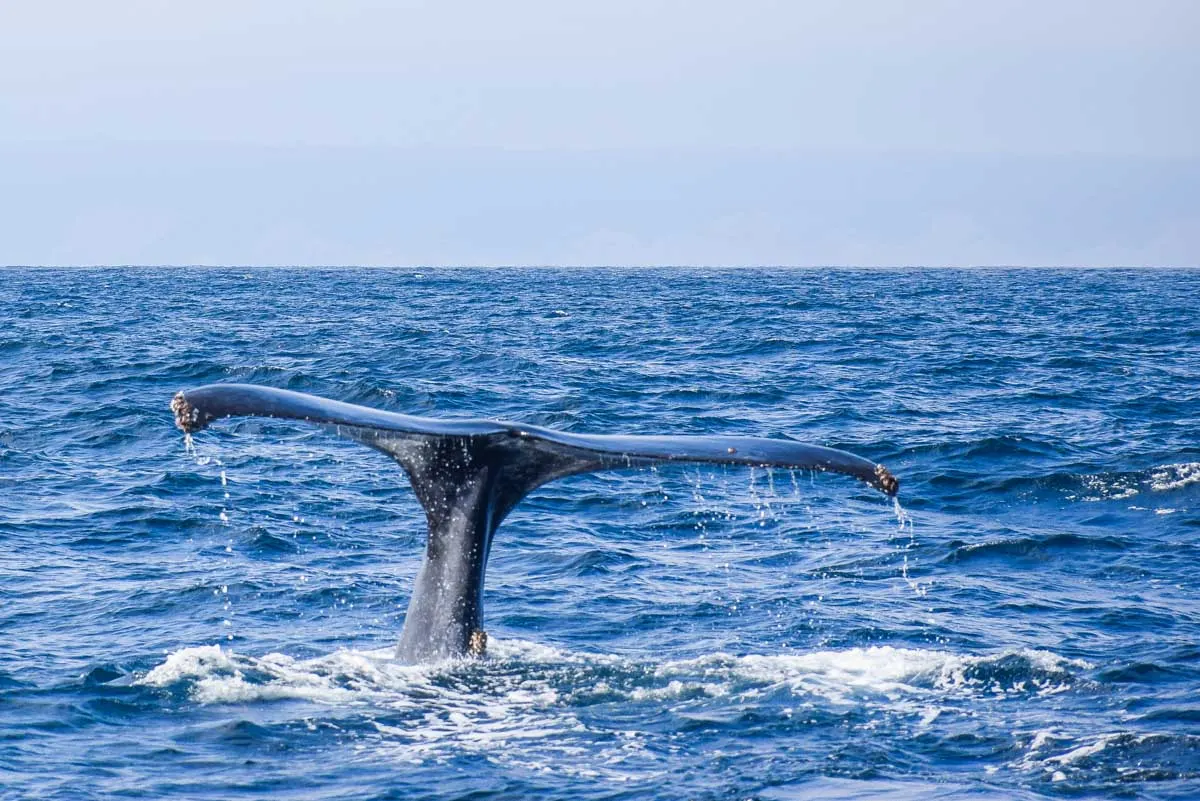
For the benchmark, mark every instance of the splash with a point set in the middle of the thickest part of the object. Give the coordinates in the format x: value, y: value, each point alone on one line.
x: 903, y: 518
x: 538, y: 694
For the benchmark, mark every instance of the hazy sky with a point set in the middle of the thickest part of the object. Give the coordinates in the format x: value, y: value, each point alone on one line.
x: 868, y: 131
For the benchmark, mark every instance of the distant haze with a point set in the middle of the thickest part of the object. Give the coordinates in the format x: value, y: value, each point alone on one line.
x: 751, y: 132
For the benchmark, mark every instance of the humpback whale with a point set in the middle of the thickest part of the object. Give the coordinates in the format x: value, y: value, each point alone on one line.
x: 468, y: 474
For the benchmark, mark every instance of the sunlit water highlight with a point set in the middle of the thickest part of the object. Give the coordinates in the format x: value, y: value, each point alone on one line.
x: 218, y: 620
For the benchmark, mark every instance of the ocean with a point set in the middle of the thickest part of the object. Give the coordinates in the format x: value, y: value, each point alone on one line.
x: 219, y: 622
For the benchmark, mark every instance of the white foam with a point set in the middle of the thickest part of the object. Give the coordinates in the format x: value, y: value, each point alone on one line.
x: 1040, y: 738
x: 441, y: 708
x: 1076, y: 758
x: 1163, y: 478
x: 220, y: 676
x: 1082, y: 752
x: 186, y: 663
x: 529, y: 692
x: 1174, y: 476
x: 1107, y: 488
x: 848, y: 675
x: 533, y: 675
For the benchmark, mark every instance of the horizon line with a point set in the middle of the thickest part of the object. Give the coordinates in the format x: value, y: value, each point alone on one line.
x: 515, y: 266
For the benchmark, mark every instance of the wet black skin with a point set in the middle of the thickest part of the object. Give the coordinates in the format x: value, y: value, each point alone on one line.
x: 469, y: 474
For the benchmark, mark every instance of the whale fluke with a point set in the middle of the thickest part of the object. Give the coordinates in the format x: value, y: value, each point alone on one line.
x: 469, y: 474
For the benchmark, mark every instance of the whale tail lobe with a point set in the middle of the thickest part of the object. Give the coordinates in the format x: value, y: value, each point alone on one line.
x: 469, y: 474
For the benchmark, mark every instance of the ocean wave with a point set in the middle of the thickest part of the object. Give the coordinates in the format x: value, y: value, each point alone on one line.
x: 1164, y: 478
x: 1174, y: 476
x: 1088, y: 487
x: 1033, y: 546
x: 1093, y: 761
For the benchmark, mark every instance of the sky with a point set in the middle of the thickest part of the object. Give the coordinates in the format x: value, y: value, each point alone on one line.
x: 875, y: 132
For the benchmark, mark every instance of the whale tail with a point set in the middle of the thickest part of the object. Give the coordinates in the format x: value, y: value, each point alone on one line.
x: 469, y: 474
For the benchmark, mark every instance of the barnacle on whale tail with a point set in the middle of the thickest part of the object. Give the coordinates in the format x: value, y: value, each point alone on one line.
x: 187, y: 416
x: 886, y: 481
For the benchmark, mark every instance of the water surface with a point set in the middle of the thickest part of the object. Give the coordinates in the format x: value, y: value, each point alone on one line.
x: 219, y: 624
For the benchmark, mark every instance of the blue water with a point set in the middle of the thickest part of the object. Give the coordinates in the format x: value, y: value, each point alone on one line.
x: 219, y: 623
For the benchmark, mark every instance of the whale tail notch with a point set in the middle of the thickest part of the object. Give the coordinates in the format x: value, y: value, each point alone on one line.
x: 469, y: 474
